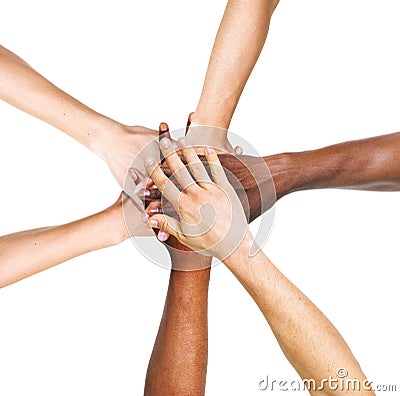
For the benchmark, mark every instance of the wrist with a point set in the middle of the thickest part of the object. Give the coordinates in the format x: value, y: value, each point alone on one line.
x: 113, y: 224
x: 211, y: 117
x: 208, y: 133
x: 104, y: 130
x: 242, y: 253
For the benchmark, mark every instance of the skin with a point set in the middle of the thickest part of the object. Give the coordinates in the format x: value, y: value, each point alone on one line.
x: 26, y: 253
x: 178, y: 363
x: 182, y: 338
x: 314, y: 347
x: 238, y: 44
x: 371, y: 164
x: 117, y: 144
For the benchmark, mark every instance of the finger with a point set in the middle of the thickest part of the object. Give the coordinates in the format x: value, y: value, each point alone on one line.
x: 134, y: 182
x: 166, y: 187
x: 176, y: 165
x: 149, y: 184
x: 189, y: 122
x: 175, y: 145
x: 163, y: 130
x: 149, y: 194
x: 154, y: 208
x: 217, y: 171
x: 158, y: 207
x: 196, y: 166
x: 166, y: 224
x: 165, y: 169
x: 136, y: 175
x: 238, y: 150
x: 164, y: 133
x: 162, y: 236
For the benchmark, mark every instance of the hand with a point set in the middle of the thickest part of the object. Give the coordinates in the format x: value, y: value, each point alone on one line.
x: 249, y: 176
x: 120, y: 145
x: 212, y: 220
x: 182, y: 257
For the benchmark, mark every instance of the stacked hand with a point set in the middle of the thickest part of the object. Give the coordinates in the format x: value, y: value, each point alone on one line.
x: 212, y: 220
x: 249, y: 176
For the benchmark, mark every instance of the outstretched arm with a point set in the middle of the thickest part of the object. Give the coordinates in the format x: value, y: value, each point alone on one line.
x: 369, y: 164
x: 308, y: 339
x: 310, y: 342
x: 238, y: 44
x: 178, y: 364
x: 23, y: 87
x: 29, y: 252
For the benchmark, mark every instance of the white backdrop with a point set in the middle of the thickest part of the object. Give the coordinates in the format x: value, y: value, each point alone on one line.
x: 329, y: 73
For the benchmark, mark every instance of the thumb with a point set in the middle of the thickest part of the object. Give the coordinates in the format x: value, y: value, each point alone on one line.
x: 167, y: 224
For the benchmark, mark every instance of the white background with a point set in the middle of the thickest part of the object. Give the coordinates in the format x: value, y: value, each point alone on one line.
x: 329, y: 73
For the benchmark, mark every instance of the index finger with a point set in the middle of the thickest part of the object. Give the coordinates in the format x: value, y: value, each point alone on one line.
x: 165, y: 186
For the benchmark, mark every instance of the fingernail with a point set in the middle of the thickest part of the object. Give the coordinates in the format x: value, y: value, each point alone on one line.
x: 149, y: 162
x: 162, y: 236
x: 165, y: 143
x: 164, y: 127
x: 238, y: 150
x: 155, y: 211
x: 143, y: 193
x: 133, y: 174
x: 153, y: 223
x: 145, y: 217
x: 209, y: 150
x: 182, y: 142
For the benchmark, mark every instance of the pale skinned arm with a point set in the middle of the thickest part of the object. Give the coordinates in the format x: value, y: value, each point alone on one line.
x: 238, y: 44
x: 313, y: 346
x: 310, y: 342
x: 21, y: 86
x: 26, y: 253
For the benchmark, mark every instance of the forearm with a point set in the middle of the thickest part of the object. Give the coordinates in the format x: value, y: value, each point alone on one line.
x: 369, y: 164
x: 238, y: 44
x: 22, y: 87
x: 178, y: 364
x: 307, y: 338
x: 29, y: 252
